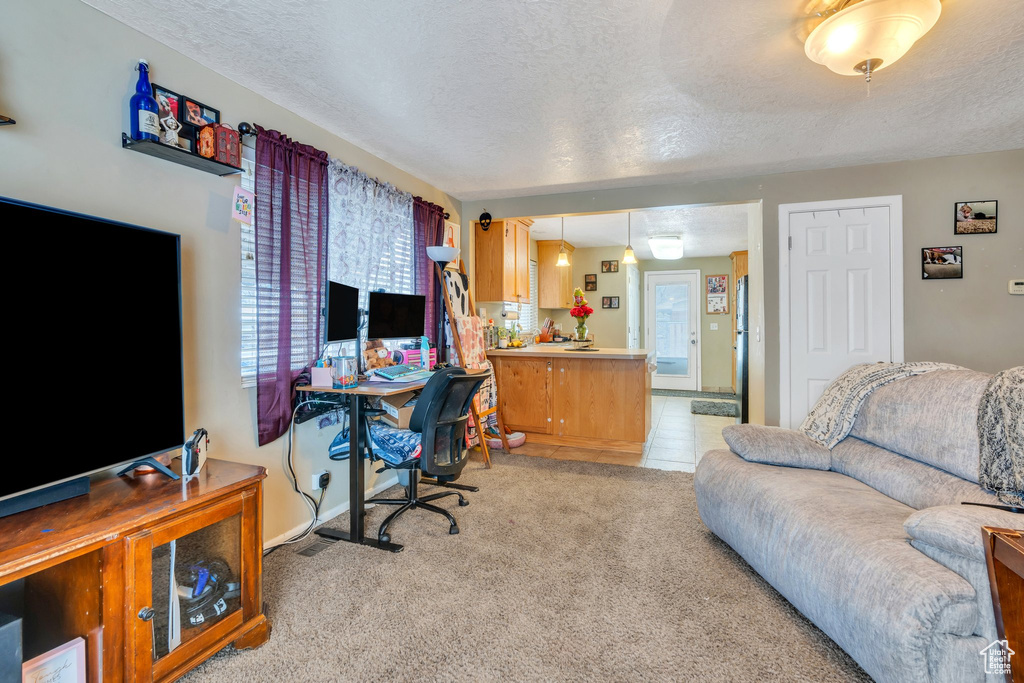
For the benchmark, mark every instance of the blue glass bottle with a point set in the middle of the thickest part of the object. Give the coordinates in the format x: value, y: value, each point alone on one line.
x: 144, y: 120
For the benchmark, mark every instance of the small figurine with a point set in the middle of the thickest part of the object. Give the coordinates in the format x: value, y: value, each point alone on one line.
x: 207, y: 142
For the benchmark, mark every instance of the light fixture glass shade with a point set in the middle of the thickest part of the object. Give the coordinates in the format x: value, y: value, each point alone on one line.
x: 563, y: 258
x: 629, y: 256
x: 871, y: 33
x: 442, y: 254
x: 666, y: 247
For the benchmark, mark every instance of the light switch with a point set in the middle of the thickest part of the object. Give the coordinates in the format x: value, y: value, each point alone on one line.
x: 714, y: 326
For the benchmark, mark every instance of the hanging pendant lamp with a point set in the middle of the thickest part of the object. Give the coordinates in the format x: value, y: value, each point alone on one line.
x: 628, y: 256
x: 563, y: 255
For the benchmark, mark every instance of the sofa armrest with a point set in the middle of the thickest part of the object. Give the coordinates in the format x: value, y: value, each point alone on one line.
x: 957, y: 528
x: 776, y: 446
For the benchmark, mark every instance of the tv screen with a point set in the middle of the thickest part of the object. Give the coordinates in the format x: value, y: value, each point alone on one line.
x: 96, y: 307
x: 395, y: 316
x: 342, y: 312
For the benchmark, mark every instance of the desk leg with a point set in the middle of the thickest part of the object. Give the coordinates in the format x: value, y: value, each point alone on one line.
x: 356, y: 485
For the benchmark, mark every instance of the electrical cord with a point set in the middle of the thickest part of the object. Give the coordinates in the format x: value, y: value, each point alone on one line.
x: 311, y: 503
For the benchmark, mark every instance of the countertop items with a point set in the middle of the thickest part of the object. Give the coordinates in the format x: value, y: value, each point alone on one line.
x: 552, y: 351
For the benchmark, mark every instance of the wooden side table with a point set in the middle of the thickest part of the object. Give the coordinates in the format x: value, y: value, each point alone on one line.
x: 1004, y: 554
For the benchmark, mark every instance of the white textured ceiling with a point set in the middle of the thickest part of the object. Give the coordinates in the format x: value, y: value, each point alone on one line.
x: 712, y: 230
x: 485, y: 99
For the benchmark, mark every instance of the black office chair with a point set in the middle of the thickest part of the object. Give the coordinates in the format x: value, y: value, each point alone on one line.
x: 440, y: 419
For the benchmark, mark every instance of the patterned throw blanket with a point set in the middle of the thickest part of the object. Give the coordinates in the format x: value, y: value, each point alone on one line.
x: 833, y: 415
x: 1001, y: 432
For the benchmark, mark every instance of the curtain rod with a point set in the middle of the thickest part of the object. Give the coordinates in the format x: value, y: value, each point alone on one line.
x: 245, y: 128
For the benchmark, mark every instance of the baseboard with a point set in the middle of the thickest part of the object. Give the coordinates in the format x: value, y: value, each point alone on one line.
x: 386, y: 482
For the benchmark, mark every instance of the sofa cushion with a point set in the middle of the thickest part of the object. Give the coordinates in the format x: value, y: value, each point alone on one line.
x: 911, y: 482
x: 776, y: 446
x: 932, y: 418
x: 836, y: 549
x: 951, y: 535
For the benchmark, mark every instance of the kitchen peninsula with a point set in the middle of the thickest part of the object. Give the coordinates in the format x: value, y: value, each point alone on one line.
x: 589, y: 399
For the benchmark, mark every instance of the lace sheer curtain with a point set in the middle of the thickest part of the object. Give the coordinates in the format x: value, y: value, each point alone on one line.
x: 369, y: 233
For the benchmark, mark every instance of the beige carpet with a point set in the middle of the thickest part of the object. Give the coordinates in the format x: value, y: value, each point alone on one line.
x: 563, y: 571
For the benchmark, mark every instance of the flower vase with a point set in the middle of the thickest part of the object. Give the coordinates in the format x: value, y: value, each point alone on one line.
x: 581, y: 331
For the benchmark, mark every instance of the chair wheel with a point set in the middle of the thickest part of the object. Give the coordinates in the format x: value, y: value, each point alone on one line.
x: 384, y: 538
x: 453, y: 530
x: 463, y: 503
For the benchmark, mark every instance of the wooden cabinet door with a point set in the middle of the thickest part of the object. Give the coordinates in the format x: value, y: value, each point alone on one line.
x: 601, y: 398
x: 489, y: 266
x: 508, y: 260
x: 525, y: 392
x: 213, y: 536
x: 522, y: 264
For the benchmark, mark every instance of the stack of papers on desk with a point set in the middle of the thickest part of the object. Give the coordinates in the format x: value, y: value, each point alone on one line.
x: 417, y: 376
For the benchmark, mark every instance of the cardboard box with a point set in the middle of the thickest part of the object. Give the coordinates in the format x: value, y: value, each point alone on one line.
x: 399, y: 408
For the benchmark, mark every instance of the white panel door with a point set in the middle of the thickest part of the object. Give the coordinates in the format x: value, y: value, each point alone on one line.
x: 672, y: 322
x: 840, y: 310
x: 632, y: 306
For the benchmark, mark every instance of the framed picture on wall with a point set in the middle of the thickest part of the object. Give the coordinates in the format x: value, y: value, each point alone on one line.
x: 614, y: 302
x: 606, y: 302
x: 975, y: 218
x: 717, y: 292
x: 942, y: 263
x: 610, y: 266
x: 452, y: 238
x: 590, y: 282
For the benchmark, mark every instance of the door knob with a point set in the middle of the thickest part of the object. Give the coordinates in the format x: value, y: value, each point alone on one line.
x: 693, y: 341
x: 147, y: 613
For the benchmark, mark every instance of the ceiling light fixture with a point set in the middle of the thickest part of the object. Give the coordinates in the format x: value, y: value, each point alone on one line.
x: 563, y: 255
x: 628, y: 256
x: 666, y: 247
x: 862, y: 38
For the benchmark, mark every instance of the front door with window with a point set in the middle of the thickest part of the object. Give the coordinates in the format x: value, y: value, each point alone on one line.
x: 672, y: 327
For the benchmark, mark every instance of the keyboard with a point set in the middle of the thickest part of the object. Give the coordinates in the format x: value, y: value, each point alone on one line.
x: 396, y: 371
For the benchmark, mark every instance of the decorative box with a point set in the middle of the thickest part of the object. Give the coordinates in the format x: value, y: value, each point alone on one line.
x: 226, y: 145
x: 205, y: 143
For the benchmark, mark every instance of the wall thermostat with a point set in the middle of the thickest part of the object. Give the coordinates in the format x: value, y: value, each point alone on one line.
x: 1016, y: 287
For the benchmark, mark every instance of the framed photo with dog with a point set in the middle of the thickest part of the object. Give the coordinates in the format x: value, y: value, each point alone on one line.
x: 942, y: 263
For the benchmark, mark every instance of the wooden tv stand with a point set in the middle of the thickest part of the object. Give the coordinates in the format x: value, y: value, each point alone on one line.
x: 97, y: 566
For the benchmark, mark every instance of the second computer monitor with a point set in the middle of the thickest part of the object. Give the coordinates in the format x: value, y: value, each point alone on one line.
x: 342, y: 313
x: 395, y: 316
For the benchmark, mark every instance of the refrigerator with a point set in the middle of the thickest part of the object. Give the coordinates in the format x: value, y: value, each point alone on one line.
x: 742, y: 348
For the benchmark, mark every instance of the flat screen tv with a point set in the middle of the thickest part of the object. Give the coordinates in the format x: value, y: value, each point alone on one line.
x: 97, y: 381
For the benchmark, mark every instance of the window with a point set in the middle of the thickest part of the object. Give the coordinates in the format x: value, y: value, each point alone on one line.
x: 248, y: 276
x: 527, y: 312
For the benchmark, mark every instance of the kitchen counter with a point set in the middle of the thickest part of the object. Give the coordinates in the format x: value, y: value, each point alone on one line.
x: 560, y: 350
x: 588, y: 399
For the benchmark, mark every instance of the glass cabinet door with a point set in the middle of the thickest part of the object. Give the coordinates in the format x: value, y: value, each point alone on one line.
x: 196, y: 582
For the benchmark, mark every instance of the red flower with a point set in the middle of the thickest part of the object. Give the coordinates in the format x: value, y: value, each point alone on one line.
x: 588, y: 310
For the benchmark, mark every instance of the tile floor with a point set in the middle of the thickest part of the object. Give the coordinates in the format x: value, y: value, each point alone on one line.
x: 677, y: 441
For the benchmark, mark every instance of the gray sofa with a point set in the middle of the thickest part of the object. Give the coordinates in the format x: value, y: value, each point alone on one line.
x: 869, y: 540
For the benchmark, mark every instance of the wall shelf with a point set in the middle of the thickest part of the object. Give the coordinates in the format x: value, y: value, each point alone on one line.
x: 178, y: 156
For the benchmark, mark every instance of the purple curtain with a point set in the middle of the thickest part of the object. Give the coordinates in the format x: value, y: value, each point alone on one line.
x: 428, y: 231
x: 291, y: 251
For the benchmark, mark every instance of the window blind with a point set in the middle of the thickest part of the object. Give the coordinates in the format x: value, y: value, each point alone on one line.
x: 528, y: 322
x: 248, y: 288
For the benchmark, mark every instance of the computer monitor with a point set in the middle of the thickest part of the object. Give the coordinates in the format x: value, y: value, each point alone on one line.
x: 342, y: 313
x: 396, y: 316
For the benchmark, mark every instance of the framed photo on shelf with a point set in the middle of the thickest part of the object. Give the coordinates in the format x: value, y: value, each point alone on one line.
x: 975, y: 218
x: 610, y: 266
x: 198, y: 114
x: 63, y: 664
x: 169, y: 109
x: 942, y: 263
x: 590, y: 282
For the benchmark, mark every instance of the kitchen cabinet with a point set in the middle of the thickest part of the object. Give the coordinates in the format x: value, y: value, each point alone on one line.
x: 554, y: 283
x: 502, y: 265
x: 599, y: 399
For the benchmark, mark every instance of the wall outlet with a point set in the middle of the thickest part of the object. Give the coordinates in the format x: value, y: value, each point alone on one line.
x: 714, y: 326
x: 320, y: 480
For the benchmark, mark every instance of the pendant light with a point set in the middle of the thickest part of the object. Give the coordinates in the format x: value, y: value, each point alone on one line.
x: 628, y: 256
x: 563, y: 255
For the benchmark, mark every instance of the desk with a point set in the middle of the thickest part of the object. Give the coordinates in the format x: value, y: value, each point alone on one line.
x: 356, y: 463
